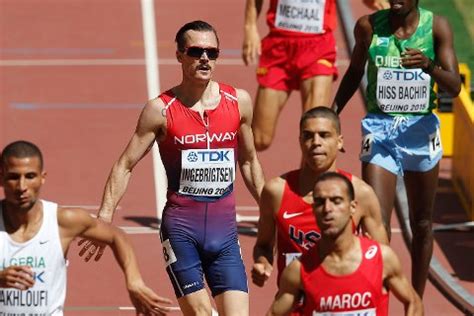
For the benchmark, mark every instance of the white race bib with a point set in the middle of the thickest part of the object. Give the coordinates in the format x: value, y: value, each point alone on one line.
x: 306, y: 16
x: 206, y: 172
x: 402, y: 90
x: 365, y: 312
x: 289, y: 257
x: 435, y: 144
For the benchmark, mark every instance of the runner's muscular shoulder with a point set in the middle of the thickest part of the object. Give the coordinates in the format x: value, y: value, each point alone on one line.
x: 245, y: 106
x: 363, y: 31
x: 272, y: 194
x: 153, y: 119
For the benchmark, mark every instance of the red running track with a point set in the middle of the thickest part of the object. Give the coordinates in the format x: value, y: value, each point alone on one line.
x: 73, y: 81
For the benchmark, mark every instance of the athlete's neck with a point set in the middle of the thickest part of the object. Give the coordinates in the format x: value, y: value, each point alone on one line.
x: 404, y: 25
x: 192, y: 93
x: 309, y: 175
x: 22, y: 221
x: 338, y: 246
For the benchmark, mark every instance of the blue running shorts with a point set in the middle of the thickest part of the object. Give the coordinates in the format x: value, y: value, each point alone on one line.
x: 401, y: 143
x: 200, y: 240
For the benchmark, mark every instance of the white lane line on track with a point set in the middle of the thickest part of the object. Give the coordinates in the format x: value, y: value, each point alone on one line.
x: 110, y: 308
x: 153, y: 87
x: 116, y: 62
x: 119, y: 308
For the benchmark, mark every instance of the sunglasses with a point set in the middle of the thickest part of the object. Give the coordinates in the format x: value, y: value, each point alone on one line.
x: 196, y: 52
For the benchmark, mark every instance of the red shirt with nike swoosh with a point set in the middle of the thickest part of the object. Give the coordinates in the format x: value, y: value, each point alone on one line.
x: 297, y: 230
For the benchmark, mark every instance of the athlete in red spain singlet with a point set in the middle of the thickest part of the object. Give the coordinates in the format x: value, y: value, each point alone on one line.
x: 203, y: 131
x: 343, y: 274
x: 286, y: 217
x: 299, y: 53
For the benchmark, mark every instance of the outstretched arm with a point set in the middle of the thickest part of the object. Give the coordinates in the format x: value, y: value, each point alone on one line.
x: 77, y: 222
x: 251, y: 48
x: 398, y: 283
x: 250, y: 167
x: 351, y: 80
x: 263, y: 250
x: 149, y: 127
x: 289, y: 290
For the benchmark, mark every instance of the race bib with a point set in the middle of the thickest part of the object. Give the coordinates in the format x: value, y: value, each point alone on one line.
x: 402, y: 90
x: 306, y: 16
x: 366, y: 146
x: 206, y: 172
x: 168, y: 253
x: 435, y: 144
x: 289, y: 257
x: 365, y: 312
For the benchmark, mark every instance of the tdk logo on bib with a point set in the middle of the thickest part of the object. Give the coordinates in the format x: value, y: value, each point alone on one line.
x: 209, y: 156
x: 409, y: 75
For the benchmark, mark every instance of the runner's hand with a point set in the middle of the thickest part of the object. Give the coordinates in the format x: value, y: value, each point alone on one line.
x: 251, y: 48
x: 414, y: 58
x: 146, y: 301
x: 261, y: 273
x: 18, y: 277
x: 91, y: 248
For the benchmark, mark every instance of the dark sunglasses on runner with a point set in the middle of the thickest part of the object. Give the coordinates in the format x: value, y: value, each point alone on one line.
x: 196, y: 52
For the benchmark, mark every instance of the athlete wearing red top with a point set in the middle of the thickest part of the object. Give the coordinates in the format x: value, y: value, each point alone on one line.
x: 359, y: 291
x: 290, y: 194
x: 301, y: 18
x: 296, y: 226
x: 187, y: 130
x: 299, y: 53
x: 344, y: 273
x: 203, y: 130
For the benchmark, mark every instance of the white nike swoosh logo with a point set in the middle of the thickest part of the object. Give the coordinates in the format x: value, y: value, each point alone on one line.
x: 287, y: 215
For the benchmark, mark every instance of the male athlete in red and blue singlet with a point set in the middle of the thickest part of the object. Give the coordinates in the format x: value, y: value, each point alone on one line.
x: 286, y: 204
x: 203, y: 130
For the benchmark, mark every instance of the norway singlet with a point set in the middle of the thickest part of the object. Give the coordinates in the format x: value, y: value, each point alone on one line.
x: 297, y: 230
x: 199, y: 153
x: 301, y: 18
x: 199, y: 229
x: 391, y: 88
x: 44, y: 254
x: 360, y: 291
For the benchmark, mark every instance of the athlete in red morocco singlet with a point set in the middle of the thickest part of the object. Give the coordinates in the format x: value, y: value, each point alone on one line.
x: 299, y: 53
x: 286, y: 205
x: 203, y: 130
x: 343, y: 274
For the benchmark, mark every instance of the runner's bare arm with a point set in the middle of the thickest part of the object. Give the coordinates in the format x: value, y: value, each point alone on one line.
x: 371, y: 214
x: 150, y: 126
x: 351, y: 80
x: 77, y: 222
x: 251, y: 47
x: 399, y: 284
x: 250, y: 167
x: 263, y: 250
x: 289, y: 291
